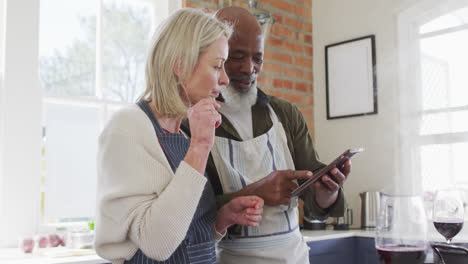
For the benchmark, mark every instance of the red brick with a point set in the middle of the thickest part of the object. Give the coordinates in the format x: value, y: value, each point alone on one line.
x: 283, y: 5
x: 307, y: 112
x: 278, y: 83
x: 293, y: 72
x: 311, y: 127
x: 275, y: 93
x: 303, y: 12
x: 288, y: 84
x: 306, y: 38
x: 189, y: 4
x: 279, y: 4
x: 240, y: 3
x: 293, y: 98
x: 309, y: 51
x: 304, y: 62
x: 272, y: 68
x: 267, y: 54
x: 300, y: 36
x: 306, y: 3
x: 278, y: 18
x: 293, y: 22
x: 307, y: 27
x: 264, y: 80
x: 281, y: 31
x: 309, y: 76
x: 308, y: 100
x: 282, y: 57
x: 293, y: 47
x: 301, y: 87
x: 274, y: 42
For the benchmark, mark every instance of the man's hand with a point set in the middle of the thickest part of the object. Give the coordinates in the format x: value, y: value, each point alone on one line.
x: 276, y: 188
x: 243, y: 210
x: 327, y: 189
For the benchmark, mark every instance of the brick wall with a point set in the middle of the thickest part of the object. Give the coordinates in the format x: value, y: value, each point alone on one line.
x: 287, y: 68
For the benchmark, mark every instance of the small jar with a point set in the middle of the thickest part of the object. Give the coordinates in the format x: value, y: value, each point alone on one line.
x: 26, y: 244
x: 81, y: 238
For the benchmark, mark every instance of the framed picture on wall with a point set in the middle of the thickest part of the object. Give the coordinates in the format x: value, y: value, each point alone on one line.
x: 351, y: 78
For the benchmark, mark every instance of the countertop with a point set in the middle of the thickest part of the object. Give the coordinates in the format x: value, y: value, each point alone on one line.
x: 57, y: 255
x: 317, y: 235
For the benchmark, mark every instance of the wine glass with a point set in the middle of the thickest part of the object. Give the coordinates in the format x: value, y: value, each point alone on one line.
x: 448, y: 213
x: 401, y: 231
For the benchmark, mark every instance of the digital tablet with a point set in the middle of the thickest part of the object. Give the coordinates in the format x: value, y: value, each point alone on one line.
x: 338, y: 162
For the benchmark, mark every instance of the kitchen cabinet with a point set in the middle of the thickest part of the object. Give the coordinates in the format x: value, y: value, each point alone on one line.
x: 349, y: 250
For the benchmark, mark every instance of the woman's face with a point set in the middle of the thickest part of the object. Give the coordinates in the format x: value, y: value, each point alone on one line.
x: 209, y: 75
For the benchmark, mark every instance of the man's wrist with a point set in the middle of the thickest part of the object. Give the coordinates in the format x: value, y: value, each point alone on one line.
x: 246, y: 191
x: 325, y: 204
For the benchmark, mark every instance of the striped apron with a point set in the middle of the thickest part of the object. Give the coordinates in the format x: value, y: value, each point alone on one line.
x: 198, y: 245
x: 239, y: 163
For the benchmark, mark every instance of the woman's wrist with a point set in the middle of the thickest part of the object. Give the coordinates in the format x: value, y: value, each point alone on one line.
x: 221, y: 223
x: 197, y: 157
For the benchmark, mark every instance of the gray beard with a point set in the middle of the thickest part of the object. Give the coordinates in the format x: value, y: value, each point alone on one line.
x: 237, y: 100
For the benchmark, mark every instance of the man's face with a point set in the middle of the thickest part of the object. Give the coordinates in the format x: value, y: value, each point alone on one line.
x: 245, y: 58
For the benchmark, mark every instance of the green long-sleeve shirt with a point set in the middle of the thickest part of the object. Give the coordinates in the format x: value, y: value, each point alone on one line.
x: 299, y: 142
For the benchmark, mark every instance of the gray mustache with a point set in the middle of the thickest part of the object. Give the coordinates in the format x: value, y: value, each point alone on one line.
x: 249, y: 78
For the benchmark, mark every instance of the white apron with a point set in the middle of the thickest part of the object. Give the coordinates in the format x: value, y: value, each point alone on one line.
x: 239, y: 163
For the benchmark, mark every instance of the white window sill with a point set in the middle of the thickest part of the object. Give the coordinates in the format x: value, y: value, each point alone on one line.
x: 58, y: 255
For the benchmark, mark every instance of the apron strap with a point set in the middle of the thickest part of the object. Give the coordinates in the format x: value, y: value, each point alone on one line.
x: 147, y: 109
x: 273, y: 116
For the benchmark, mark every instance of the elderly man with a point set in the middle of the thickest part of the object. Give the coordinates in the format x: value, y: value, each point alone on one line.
x: 262, y: 148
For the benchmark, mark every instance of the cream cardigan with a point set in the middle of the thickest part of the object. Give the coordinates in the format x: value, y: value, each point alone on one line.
x: 141, y: 203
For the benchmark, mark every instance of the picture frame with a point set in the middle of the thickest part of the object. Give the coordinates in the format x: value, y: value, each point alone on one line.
x: 351, y: 81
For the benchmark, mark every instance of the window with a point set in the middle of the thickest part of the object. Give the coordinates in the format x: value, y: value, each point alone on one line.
x: 434, y: 96
x: 443, y: 132
x: 84, y: 60
x: 91, y: 64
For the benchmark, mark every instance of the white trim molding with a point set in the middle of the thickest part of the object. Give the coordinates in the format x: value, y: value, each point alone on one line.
x: 21, y: 128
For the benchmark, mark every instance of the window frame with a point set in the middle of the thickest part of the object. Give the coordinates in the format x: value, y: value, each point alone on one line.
x: 409, y: 38
x: 21, y: 123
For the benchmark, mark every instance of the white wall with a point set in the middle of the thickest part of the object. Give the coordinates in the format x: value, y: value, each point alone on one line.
x: 21, y: 152
x: 376, y: 168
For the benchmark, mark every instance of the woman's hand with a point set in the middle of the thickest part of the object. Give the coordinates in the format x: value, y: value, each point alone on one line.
x: 243, y: 210
x: 203, y: 120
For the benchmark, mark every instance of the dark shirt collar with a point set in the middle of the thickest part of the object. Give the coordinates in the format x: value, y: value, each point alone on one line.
x: 262, y: 98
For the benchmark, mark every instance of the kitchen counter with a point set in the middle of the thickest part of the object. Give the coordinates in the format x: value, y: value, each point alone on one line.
x: 317, y: 235
x: 59, y: 255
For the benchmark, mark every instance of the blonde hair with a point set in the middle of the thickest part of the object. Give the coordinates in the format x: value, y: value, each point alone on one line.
x: 180, y: 39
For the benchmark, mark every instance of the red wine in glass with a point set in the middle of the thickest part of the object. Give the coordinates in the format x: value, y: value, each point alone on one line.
x: 448, y: 212
x: 448, y: 229
x: 401, y: 254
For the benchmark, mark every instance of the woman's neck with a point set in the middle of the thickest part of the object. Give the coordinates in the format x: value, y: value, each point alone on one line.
x: 170, y: 124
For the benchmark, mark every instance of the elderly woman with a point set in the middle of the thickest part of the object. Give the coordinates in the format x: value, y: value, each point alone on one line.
x: 155, y: 204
